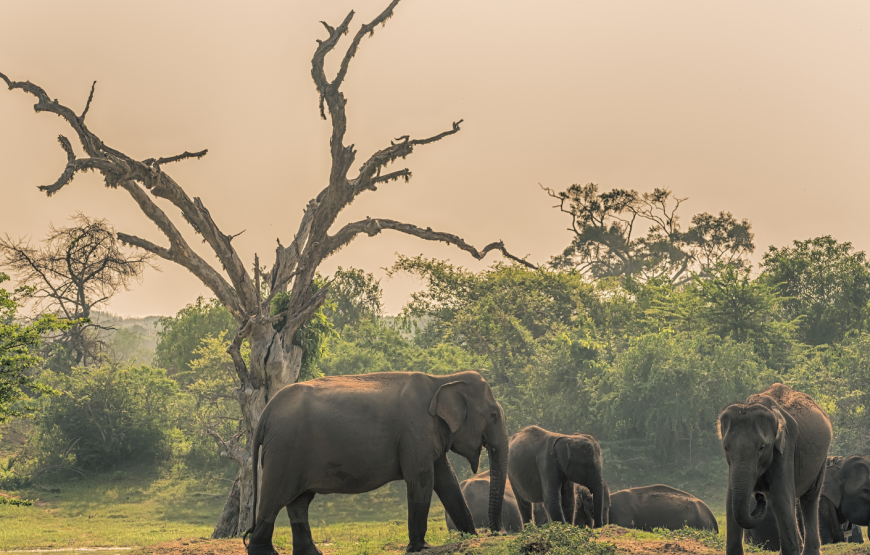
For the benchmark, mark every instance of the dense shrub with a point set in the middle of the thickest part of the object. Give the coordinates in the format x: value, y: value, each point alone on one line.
x: 105, y: 416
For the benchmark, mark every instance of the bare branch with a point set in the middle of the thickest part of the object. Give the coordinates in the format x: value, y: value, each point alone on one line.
x: 369, y: 172
x: 88, y: 105
x: 185, y: 155
x: 401, y: 174
x: 372, y: 227
x: 367, y: 29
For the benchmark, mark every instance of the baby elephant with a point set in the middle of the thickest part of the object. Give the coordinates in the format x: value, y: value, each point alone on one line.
x: 476, y: 493
x: 583, y: 507
x: 660, y: 506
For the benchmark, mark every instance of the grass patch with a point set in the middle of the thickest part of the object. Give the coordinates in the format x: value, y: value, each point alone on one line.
x: 560, y: 539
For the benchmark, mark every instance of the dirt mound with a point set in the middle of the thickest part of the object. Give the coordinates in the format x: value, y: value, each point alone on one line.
x: 193, y: 546
x: 624, y: 540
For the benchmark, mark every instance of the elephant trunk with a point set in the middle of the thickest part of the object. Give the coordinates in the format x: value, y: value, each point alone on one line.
x: 741, y: 495
x: 498, y: 463
x: 598, y: 503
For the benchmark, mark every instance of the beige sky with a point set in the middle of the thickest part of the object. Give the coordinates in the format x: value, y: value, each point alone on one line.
x: 761, y: 109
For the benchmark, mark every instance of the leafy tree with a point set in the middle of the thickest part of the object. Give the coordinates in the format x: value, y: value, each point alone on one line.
x: 181, y: 335
x: 606, y: 242
x: 17, y: 345
x: 355, y: 296
x: 78, y: 268
x: 667, y: 388
x: 825, y: 283
x: 373, y: 346
x: 500, y: 314
x: 838, y: 378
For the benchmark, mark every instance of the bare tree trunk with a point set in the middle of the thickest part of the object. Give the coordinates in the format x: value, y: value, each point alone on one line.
x: 275, y: 363
x: 228, y: 524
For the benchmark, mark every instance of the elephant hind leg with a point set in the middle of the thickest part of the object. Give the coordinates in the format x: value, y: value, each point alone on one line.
x: 809, y: 503
x: 297, y: 510
x: 273, y: 497
x: 524, y: 506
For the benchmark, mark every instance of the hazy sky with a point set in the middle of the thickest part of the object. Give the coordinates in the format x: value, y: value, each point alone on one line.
x: 760, y: 109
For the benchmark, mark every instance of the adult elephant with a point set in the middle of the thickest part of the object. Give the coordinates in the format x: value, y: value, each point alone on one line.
x: 845, y: 502
x: 660, y: 506
x: 776, y: 444
x: 544, y: 466
x: 353, y: 434
x: 476, y: 492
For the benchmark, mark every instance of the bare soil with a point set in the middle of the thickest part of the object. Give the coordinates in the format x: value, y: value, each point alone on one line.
x: 624, y: 540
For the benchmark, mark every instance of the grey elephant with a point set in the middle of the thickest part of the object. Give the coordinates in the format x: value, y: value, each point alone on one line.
x: 845, y: 503
x: 660, y: 506
x: 583, y: 508
x: 843, y: 492
x: 544, y: 466
x: 476, y: 493
x: 776, y: 445
x: 353, y: 434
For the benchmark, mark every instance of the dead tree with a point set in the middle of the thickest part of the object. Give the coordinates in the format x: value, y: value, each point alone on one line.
x: 78, y: 268
x: 275, y: 358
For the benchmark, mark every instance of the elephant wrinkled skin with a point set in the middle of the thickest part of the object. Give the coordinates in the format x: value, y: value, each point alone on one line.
x: 476, y: 493
x: 776, y: 445
x: 660, y: 506
x: 353, y: 434
x: 544, y: 466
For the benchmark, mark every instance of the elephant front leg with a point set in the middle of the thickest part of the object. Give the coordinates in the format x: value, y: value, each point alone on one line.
x: 303, y: 543
x: 420, y: 484
x: 782, y: 501
x: 567, y: 493
x: 553, y: 485
x: 450, y: 494
x: 733, y: 531
x: 809, y: 503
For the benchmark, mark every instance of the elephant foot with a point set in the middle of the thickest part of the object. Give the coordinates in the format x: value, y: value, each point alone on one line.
x: 267, y: 549
x: 303, y: 543
x: 414, y: 547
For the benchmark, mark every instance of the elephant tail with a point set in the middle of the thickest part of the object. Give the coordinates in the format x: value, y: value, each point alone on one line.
x: 255, y: 454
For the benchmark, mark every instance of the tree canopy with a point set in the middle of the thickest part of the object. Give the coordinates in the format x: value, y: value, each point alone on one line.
x: 609, y: 235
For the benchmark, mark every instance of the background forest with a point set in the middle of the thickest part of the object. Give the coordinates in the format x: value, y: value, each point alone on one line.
x: 639, y: 333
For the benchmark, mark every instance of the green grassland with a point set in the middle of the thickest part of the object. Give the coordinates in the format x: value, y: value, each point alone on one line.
x: 136, y: 507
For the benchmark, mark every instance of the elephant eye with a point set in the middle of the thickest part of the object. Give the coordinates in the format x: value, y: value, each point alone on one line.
x: 761, y: 447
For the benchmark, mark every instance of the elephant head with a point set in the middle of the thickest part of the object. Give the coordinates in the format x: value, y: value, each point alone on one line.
x: 847, y: 485
x: 584, y: 506
x: 751, y: 435
x: 475, y: 420
x: 579, y: 456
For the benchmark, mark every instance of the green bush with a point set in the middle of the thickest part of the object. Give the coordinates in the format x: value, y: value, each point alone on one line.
x: 105, y: 416
x: 560, y: 539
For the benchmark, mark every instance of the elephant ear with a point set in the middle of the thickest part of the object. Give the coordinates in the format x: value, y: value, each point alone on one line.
x: 450, y: 405
x: 835, y: 473
x: 561, y: 452
x: 781, y: 428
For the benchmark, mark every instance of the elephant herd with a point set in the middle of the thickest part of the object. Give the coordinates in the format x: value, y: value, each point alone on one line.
x: 353, y: 434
